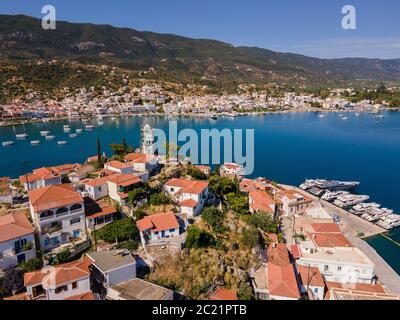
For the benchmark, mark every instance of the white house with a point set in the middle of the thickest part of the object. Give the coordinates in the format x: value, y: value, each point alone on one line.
x: 40, y: 178
x: 119, y: 186
x: 59, y: 215
x: 60, y: 282
x: 337, y: 264
x: 118, y: 167
x: 232, y: 169
x: 97, y: 188
x: 158, y: 227
x: 16, y: 240
x: 293, y: 202
x: 142, y: 162
x: 191, y: 195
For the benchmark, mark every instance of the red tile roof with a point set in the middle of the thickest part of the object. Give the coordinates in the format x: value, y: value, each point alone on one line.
x: 282, y: 281
x: 58, y: 275
x: 117, y: 164
x: 83, y: 297
x: 138, y: 157
x: 53, y: 197
x: 188, y: 186
x: 330, y: 240
x: 124, y: 180
x: 14, y: 225
x: 278, y: 254
x: 295, y: 251
x: 363, y: 287
x: 189, y: 203
x: 158, y: 222
x: 262, y: 201
x: 311, y: 276
x: 223, y: 294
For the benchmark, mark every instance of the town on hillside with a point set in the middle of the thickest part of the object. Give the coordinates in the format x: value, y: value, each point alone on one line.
x: 135, y: 225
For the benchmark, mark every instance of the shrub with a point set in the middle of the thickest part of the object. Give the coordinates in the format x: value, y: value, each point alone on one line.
x: 63, y: 256
x: 196, y: 173
x: 197, y: 238
x: 214, y: 218
x: 264, y: 221
x: 250, y: 237
x: 120, y: 230
x: 245, y: 292
x: 158, y: 199
x: 32, y: 265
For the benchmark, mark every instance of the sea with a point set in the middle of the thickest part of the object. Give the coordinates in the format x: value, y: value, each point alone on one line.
x: 288, y: 148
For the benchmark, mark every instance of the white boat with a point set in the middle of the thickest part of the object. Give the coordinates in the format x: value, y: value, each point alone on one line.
x: 35, y: 142
x: 89, y: 127
x: 113, y: 118
x: 66, y: 126
x: 44, y: 133
x: 100, y: 123
x: 21, y: 136
x: 389, y: 222
x: 50, y: 137
x: 332, y: 195
x: 67, y: 129
x: 345, y: 118
x: 79, y: 130
x: 357, y: 114
x: 62, y: 142
x: 73, y: 135
x: 329, y: 184
x: 380, y: 116
x: 7, y: 143
x: 350, y: 200
x: 321, y: 116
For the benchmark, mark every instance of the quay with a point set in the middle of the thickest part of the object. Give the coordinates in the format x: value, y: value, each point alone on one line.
x: 352, y: 227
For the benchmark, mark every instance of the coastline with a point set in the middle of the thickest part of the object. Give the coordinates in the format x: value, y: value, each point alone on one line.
x: 193, y: 115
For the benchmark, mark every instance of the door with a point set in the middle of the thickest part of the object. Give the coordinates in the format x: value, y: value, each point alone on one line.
x: 21, y: 258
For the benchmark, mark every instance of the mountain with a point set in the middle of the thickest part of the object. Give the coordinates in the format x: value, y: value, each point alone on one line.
x: 22, y: 38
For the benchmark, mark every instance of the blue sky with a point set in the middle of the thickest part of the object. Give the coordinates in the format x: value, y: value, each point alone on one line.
x: 310, y: 27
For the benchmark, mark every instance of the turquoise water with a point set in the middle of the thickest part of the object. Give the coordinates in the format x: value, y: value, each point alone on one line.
x: 288, y: 148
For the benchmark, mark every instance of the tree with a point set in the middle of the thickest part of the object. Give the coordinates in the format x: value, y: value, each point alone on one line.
x: 214, y: 218
x: 222, y: 186
x: 196, y: 173
x: 264, y: 221
x: 12, y: 282
x: 120, y: 230
x: 245, y: 292
x: 32, y: 265
x: 158, y: 199
x: 238, y: 203
x: 197, y: 238
x: 99, y: 159
x: 250, y: 237
x: 64, y: 256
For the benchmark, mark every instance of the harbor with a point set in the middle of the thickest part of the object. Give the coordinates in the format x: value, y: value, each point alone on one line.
x: 352, y: 203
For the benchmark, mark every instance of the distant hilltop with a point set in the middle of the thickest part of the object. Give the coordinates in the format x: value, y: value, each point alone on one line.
x: 178, y: 58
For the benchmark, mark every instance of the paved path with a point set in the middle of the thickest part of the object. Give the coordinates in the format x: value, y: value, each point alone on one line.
x: 386, y: 275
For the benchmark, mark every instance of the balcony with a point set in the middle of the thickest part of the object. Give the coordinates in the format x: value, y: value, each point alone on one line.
x: 52, y: 229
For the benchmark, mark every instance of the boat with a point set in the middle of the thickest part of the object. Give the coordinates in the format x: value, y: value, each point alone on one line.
x: 44, y: 133
x: 345, y: 118
x: 349, y: 200
x: 62, y: 142
x: 113, y: 118
x: 380, y: 116
x: 89, y: 127
x: 67, y: 129
x: 7, y: 143
x: 66, y: 126
x: 21, y: 136
x: 213, y: 116
x: 357, y: 114
x: 389, y: 222
x: 35, y: 142
x: 79, y: 130
x: 321, y: 116
x: 316, y: 191
x: 100, y: 123
x: 50, y: 137
x: 332, y: 195
x: 73, y: 135
x: 329, y: 184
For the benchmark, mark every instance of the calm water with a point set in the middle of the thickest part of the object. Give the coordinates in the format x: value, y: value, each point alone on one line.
x: 288, y: 148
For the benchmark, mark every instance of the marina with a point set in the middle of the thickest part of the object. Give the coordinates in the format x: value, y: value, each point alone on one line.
x: 354, y: 203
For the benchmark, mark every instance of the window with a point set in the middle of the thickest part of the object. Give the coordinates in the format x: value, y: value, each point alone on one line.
x: 171, y: 230
x: 61, y: 289
x: 75, y: 221
x: 315, y: 290
x: 76, y: 207
x: 74, y: 285
x: 339, y: 268
x: 326, y: 268
x: 62, y: 210
x: 99, y: 189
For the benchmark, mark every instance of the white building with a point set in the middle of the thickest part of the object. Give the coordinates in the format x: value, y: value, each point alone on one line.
x: 61, y: 282
x: 148, y: 140
x: 191, y: 195
x: 59, y: 215
x: 337, y: 264
x: 158, y: 227
x: 40, y: 178
x: 118, y: 167
x: 293, y: 202
x: 16, y: 240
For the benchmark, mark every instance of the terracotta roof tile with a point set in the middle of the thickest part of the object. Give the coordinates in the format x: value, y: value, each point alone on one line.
x: 158, y: 222
x: 14, y: 225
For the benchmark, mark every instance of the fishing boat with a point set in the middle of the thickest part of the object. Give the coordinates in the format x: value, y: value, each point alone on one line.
x: 21, y: 136
x: 62, y: 142
x: 73, y: 135
x: 35, y: 142
x: 44, y: 133
x: 50, y: 137
x: 7, y: 143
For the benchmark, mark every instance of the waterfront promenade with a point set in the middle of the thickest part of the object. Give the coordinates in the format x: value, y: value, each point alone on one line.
x: 352, y: 226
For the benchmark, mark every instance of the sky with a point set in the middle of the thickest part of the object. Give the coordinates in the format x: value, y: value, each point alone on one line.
x: 309, y: 27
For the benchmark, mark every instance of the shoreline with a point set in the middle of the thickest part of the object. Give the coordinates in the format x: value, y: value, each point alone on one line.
x: 237, y: 115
